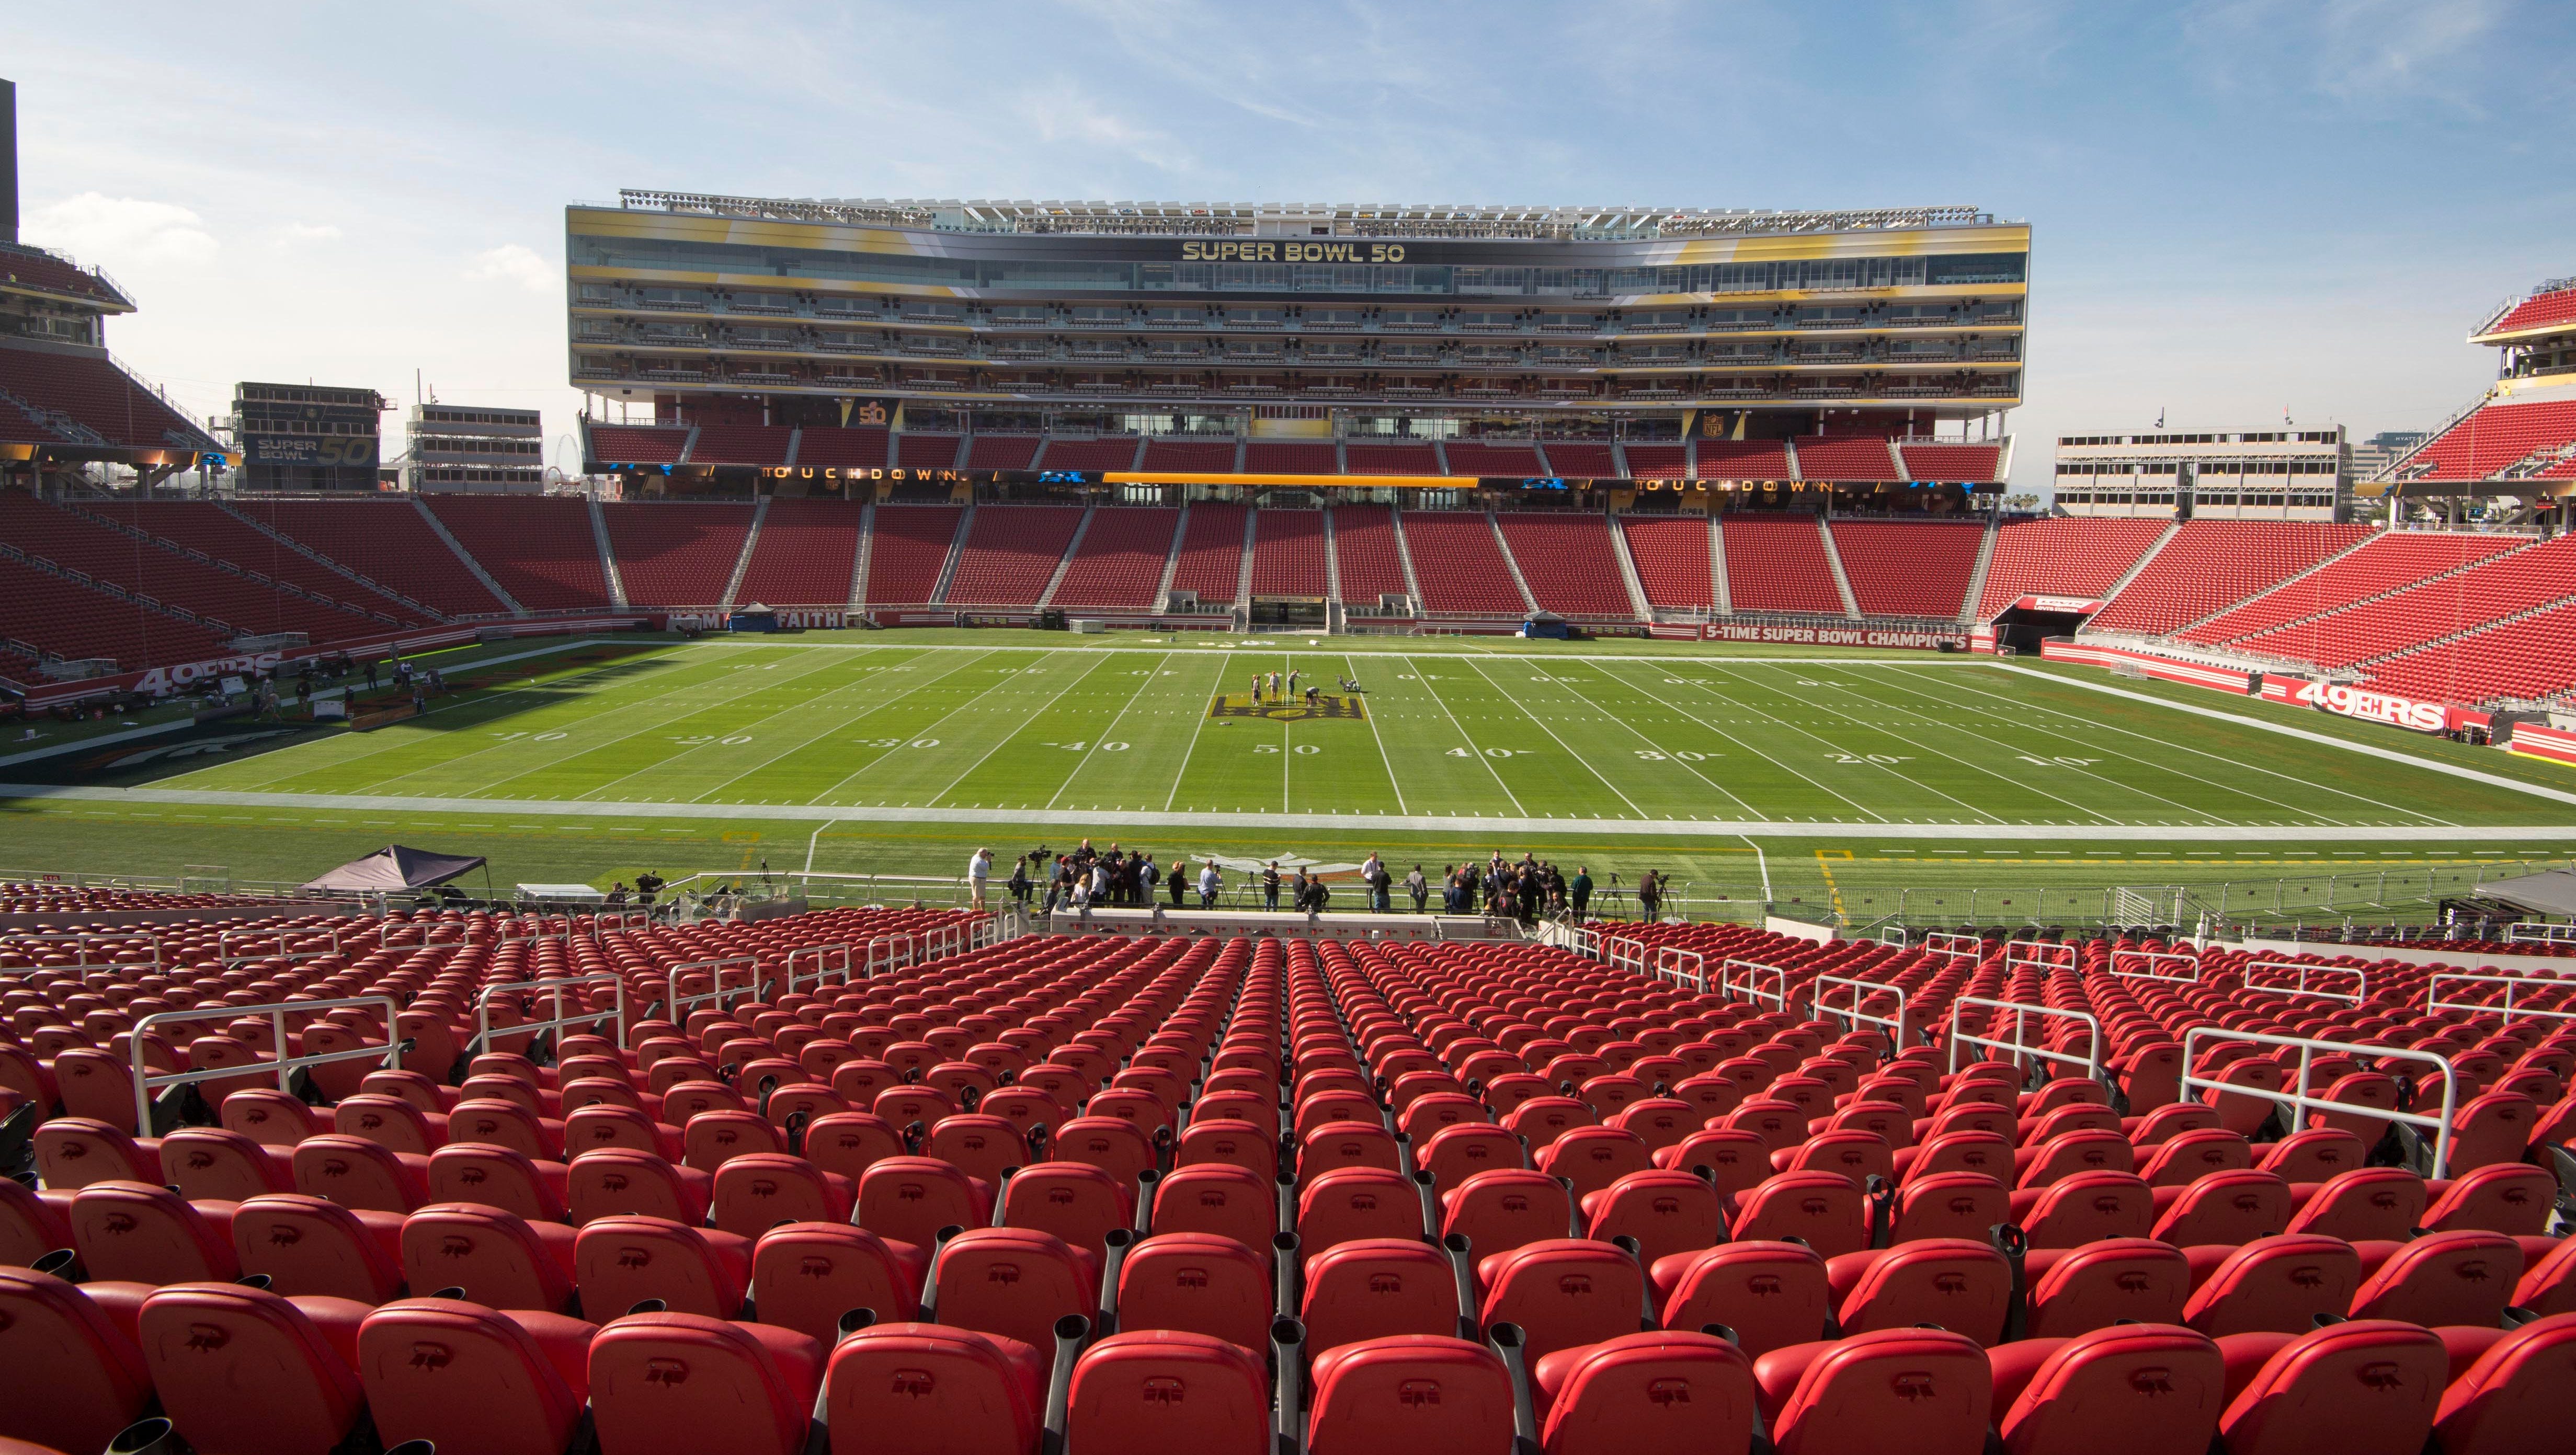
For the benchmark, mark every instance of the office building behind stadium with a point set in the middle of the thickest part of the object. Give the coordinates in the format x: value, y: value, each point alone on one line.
x: 1765, y: 359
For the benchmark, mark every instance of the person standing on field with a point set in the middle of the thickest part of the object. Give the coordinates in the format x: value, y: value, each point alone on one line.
x: 979, y: 875
x: 1419, y: 887
x: 1180, y: 880
x: 1210, y: 881
x: 1020, y: 882
x: 1270, y: 886
x: 1650, y: 894
x: 1580, y: 890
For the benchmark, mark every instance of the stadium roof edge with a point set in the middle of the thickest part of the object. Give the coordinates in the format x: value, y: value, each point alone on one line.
x: 1609, y: 223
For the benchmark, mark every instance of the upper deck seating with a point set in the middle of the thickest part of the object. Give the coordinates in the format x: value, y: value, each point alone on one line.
x: 805, y: 554
x: 1655, y: 462
x: 1390, y: 459
x: 2062, y: 557
x: 832, y: 448
x: 1960, y: 464
x: 1011, y: 553
x: 1109, y: 452
x: 2213, y: 562
x: 676, y: 554
x: 1671, y: 552
x: 915, y: 450
x: 1569, y: 561
x: 636, y: 444
x: 1777, y: 563
x: 1578, y: 459
x: 542, y: 551
x: 2493, y: 437
x: 2540, y: 310
x: 741, y: 444
x: 908, y: 550
x: 1743, y: 460
x: 1905, y: 568
x: 1288, y: 553
x: 1120, y: 559
x: 1511, y: 461
x: 1209, y: 457
x: 98, y: 395
x: 1279, y: 457
x: 1002, y: 451
x: 1826, y: 457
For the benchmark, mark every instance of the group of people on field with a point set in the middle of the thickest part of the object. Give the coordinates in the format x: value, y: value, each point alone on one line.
x: 1087, y: 878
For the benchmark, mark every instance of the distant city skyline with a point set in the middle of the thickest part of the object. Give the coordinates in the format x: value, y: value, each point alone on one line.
x: 2241, y: 208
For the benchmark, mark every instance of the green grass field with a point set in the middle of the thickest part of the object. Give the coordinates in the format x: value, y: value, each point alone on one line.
x: 898, y: 750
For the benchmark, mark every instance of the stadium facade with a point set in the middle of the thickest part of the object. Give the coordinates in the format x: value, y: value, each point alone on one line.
x: 1131, y: 343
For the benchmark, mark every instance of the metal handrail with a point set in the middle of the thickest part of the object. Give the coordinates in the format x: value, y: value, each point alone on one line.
x: 2297, y: 1095
x: 905, y: 945
x: 145, y: 1083
x: 2540, y: 932
x: 82, y: 941
x: 1949, y: 942
x: 2018, y: 952
x: 820, y: 954
x: 561, y: 1020
x: 224, y: 940
x: 2356, y: 996
x: 2151, y: 960
x: 1744, y: 988
x: 1862, y: 991
x: 2433, y: 1002
x: 2022, y: 1011
x: 1674, y: 963
x: 675, y: 1009
x: 1622, y: 952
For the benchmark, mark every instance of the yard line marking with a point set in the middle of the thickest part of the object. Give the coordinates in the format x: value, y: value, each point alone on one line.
x: 666, y: 760
x: 1004, y: 741
x: 1193, y: 745
x: 828, y: 730
x: 1812, y: 782
x: 2199, y: 753
x: 1579, y: 759
x: 1888, y: 768
x: 1452, y: 713
x: 717, y: 813
x: 1382, y: 758
x: 1094, y: 749
x: 1901, y: 710
x: 928, y: 682
x: 2347, y: 744
x: 1642, y: 737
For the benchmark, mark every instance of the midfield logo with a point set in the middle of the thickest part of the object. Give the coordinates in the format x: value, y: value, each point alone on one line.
x: 1327, y: 705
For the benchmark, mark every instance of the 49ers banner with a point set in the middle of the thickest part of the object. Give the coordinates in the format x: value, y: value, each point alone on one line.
x: 2387, y: 707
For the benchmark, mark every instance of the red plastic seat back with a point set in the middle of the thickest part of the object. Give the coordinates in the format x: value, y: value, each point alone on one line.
x: 2367, y: 1387
x: 1164, y: 1392
x: 620, y: 1262
x: 55, y: 1340
x: 208, y: 1344
x: 1015, y: 1282
x: 1403, y: 1396
x: 668, y: 1383
x: 498, y: 1258
x: 2519, y: 1395
x: 128, y: 1232
x: 1505, y: 1209
x: 1562, y: 1292
x: 908, y: 1386
x: 2444, y: 1278
x: 1375, y: 1288
x: 466, y: 1377
x: 805, y: 1276
x: 1646, y: 1391
x: 1921, y: 1389
x: 2276, y: 1285
x: 1199, y: 1282
x: 309, y: 1247
x: 2136, y: 1387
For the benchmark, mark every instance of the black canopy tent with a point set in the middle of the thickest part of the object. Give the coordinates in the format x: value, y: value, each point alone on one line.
x: 395, y: 868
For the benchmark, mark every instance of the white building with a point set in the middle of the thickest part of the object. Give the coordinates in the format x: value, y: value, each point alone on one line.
x: 2249, y: 474
x: 467, y: 448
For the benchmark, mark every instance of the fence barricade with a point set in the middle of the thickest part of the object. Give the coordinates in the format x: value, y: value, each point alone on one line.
x: 2172, y: 965
x: 2024, y: 1015
x: 2434, y: 1004
x: 2295, y: 1095
x: 1681, y: 967
x: 1857, y: 1012
x: 719, y: 971
x: 2040, y: 955
x: 564, y: 1017
x: 2305, y: 972
x: 1744, y: 980
x: 145, y: 1082
x: 823, y: 960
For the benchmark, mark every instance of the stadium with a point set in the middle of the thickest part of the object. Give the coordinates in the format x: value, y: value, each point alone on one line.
x: 490, y: 959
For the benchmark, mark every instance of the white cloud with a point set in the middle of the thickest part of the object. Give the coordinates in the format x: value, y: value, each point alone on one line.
x: 114, y: 231
x: 310, y: 232
x: 512, y: 263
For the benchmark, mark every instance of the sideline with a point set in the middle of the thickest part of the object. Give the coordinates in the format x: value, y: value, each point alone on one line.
x: 2328, y: 739
x: 1067, y: 818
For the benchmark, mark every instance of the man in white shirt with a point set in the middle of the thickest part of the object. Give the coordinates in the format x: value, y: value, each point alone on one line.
x: 979, y: 875
x: 1210, y: 881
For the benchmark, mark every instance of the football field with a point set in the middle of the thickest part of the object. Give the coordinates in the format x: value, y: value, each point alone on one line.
x: 1013, y: 727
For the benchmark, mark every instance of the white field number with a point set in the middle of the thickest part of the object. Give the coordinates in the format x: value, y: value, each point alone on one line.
x: 1880, y: 758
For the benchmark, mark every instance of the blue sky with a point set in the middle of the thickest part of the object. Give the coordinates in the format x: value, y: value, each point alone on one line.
x: 2240, y: 206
